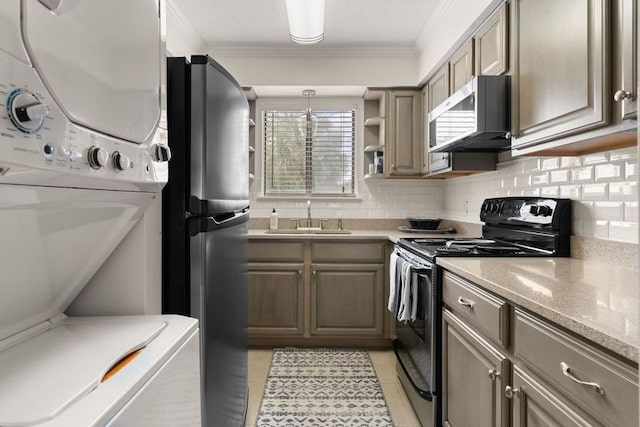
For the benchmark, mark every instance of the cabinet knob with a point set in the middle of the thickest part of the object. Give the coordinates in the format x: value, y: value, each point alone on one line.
x: 510, y: 392
x: 393, y: 167
x: 493, y: 374
x: 622, y: 94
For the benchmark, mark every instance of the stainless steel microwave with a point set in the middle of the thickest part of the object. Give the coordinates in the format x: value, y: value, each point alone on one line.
x: 475, y: 118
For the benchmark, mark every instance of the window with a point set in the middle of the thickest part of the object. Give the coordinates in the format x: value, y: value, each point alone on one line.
x: 309, y: 153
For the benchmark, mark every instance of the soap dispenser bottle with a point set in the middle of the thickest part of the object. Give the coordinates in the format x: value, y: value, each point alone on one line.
x: 273, y: 220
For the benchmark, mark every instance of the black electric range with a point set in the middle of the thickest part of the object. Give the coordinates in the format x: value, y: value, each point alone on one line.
x: 513, y: 226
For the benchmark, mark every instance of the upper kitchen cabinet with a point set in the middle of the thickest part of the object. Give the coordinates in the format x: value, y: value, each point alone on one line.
x: 374, y: 133
x: 403, y: 148
x: 625, y: 59
x: 461, y: 67
x: 490, y: 45
x: 564, y: 76
x: 438, y: 87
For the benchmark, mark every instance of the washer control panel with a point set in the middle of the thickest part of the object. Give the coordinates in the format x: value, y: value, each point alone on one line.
x: 36, y: 135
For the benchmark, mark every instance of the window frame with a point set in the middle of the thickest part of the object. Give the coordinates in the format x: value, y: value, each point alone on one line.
x: 320, y: 103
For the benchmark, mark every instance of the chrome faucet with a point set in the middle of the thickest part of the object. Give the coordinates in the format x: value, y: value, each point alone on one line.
x: 308, y: 213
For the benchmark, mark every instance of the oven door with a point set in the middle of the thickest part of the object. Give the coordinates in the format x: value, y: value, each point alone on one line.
x: 414, y: 343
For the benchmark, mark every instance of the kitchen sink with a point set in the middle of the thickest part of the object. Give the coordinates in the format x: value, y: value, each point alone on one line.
x: 307, y: 231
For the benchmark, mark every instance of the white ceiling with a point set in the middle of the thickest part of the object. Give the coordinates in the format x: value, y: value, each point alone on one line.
x: 257, y: 23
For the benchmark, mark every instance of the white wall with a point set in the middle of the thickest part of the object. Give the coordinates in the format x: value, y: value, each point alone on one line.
x: 450, y: 20
x: 182, y: 40
x: 603, y: 186
x: 294, y: 66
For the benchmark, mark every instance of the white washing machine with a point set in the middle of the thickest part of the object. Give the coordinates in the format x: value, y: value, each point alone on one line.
x: 80, y: 86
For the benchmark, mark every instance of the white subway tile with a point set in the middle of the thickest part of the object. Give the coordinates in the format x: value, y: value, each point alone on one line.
x: 569, y: 162
x: 624, y: 154
x: 610, y: 211
x: 571, y: 192
x: 540, y: 179
x: 559, y: 176
x: 584, y: 174
x: 522, y: 181
x: 530, y: 192
x: 623, y: 231
x: 609, y: 172
x: 550, y: 191
x: 631, y: 170
x: 594, y: 192
x: 631, y: 211
x: 597, y: 229
x: 531, y: 165
x: 549, y: 163
x: 591, y: 159
x: 626, y: 191
x: 583, y: 210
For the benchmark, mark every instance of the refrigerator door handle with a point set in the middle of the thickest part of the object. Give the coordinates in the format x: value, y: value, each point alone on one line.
x: 204, y: 224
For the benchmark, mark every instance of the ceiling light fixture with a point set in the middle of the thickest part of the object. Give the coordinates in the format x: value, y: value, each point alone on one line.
x: 306, y: 20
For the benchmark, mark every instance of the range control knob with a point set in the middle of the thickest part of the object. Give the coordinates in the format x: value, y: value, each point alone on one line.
x: 533, y: 210
x: 26, y: 111
x: 162, y: 153
x: 120, y: 161
x: 97, y: 157
x: 544, y: 210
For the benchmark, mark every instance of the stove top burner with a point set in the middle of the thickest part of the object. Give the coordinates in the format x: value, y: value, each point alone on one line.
x: 452, y: 250
x: 498, y: 249
x: 432, y: 241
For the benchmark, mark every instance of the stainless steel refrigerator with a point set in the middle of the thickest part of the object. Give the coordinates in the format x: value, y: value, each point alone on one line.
x: 205, y: 213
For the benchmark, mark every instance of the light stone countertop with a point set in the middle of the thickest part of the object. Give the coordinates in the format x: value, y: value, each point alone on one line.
x: 598, y: 301
x: 392, y: 235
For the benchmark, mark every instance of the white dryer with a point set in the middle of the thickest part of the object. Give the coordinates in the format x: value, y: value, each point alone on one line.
x: 80, y: 85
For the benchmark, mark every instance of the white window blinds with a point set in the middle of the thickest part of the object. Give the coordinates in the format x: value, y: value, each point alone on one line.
x: 309, y: 152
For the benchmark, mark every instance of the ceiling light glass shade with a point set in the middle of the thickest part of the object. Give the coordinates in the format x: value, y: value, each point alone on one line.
x: 306, y: 20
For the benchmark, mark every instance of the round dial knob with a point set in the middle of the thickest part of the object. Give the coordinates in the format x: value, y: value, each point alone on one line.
x: 120, y: 161
x: 26, y: 111
x: 97, y: 157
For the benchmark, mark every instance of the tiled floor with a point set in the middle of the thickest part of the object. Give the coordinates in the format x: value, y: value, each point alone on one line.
x: 383, y: 362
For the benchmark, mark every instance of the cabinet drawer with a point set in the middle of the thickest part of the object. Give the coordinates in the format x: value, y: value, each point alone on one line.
x: 347, y: 251
x: 269, y: 250
x: 489, y: 313
x: 550, y: 352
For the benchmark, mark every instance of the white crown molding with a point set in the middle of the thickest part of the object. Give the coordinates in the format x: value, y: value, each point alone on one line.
x: 183, y: 27
x: 407, y: 51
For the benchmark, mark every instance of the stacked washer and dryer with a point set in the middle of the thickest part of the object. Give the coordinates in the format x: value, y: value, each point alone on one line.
x: 81, y: 83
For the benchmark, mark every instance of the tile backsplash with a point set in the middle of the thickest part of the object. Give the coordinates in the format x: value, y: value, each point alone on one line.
x: 377, y: 198
x: 603, y: 186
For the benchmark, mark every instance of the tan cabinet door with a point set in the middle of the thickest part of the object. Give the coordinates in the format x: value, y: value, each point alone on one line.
x: 534, y: 405
x: 403, y: 151
x: 438, y: 87
x: 473, y: 374
x: 461, y: 67
x: 275, y: 299
x: 490, y: 45
x: 626, y: 92
x: 347, y: 299
x: 560, y: 68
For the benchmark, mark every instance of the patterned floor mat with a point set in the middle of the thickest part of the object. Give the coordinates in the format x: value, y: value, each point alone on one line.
x: 322, y: 387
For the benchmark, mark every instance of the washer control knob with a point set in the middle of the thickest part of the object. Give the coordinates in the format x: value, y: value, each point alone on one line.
x: 120, y: 161
x: 162, y: 153
x: 97, y: 157
x: 48, y: 149
x: 26, y: 111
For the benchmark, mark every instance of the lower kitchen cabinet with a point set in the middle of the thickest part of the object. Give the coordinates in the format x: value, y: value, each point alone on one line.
x: 318, y: 293
x: 559, y: 379
x: 346, y: 299
x: 473, y: 374
x: 276, y: 299
x: 534, y: 404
